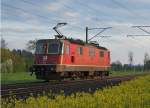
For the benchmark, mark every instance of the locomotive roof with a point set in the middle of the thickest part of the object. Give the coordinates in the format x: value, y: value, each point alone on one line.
x: 76, y: 41
x: 81, y: 42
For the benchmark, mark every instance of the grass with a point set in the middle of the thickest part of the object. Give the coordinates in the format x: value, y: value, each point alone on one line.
x: 121, y: 73
x: 130, y: 94
x: 18, y: 77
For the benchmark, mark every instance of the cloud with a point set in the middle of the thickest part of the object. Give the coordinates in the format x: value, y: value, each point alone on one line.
x: 71, y: 14
x: 21, y: 27
x: 119, y: 24
x: 22, y: 30
x: 88, y: 19
x: 140, y: 1
x: 53, y: 7
x: 57, y: 5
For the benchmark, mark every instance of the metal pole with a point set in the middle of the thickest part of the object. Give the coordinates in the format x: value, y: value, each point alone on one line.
x: 86, y: 34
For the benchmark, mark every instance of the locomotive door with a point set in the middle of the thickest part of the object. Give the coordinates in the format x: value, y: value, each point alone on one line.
x: 72, y: 54
x: 69, y: 54
x: 72, y: 59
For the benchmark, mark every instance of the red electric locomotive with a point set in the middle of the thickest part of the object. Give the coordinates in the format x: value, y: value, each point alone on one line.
x: 67, y: 58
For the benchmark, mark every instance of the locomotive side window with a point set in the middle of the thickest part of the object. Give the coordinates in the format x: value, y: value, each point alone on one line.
x: 101, y: 54
x: 67, y: 49
x: 91, y: 52
x: 80, y: 50
x: 40, y: 48
x: 53, y: 48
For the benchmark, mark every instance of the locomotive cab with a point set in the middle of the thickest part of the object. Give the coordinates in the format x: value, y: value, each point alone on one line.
x: 47, y: 51
x: 47, y: 56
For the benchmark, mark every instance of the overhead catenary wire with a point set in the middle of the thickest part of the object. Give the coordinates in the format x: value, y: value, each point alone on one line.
x: 142, y: 28
x: 102, y: 30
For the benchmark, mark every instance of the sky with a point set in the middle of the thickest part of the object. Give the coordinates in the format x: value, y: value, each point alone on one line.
x: 24, y: 20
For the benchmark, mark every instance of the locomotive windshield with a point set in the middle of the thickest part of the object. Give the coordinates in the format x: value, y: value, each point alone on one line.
x: 53, y: 48
x: 40, y: 48
x: 48, y: 47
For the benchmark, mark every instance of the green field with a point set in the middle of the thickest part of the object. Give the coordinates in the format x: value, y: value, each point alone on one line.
x: 18, y: 77
x: 21, y: 77
x: 120, y: 73
x: 130, y: 94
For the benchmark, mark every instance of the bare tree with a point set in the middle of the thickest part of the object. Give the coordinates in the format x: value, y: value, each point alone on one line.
x: 146, y: 61
x: 3, y: 43
x: 146, y: 58
x: 130, y: 55
x: 31, y: 45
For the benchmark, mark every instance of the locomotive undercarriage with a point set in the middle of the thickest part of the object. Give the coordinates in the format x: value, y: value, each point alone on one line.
x: 58, y: 72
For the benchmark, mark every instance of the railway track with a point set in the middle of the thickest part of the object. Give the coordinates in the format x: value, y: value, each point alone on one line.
x: 27, y: 89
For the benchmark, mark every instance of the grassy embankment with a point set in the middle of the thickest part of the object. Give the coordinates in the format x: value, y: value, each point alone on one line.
x: 131, y: 94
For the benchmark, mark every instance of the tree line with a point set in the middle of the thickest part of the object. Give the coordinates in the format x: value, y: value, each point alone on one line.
x: 16, y: 60
x: 118, y: 66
